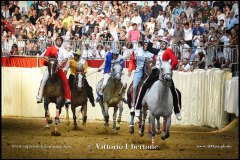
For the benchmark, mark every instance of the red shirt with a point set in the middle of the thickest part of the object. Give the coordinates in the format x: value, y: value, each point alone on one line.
x: 168, y: 54
x: 52, y: 51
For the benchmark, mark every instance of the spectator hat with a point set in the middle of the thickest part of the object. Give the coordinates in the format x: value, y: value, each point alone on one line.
x: 68, y: 46
x: 115, y: 51
x: 77, y: 34
x: 78, y: 52
x: 41, y: 30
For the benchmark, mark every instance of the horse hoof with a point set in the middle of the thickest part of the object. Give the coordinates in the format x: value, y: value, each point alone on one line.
x: 57, y: 120
x: 106, y: 126
x: 118, y: 120
x: 131, y: 129
x: 158, y: 131
x: 115, y: 131
x: 56, y: 133
x: 118, y: 127
x: 84, y: 124
x: 140, y: 134
x: 50, y: 121
x: 47, y: 126
x: 164, y: 135
x: 68, y: 123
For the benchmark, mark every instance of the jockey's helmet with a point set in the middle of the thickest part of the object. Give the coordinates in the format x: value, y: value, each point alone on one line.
x: 164, y: 39
x: 115, y: 51
x: 78, y: 52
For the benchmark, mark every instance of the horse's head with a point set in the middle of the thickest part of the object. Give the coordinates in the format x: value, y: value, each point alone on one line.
x: 116, y: 71
x: 165, y: 73
x: 79, y: 81
x: 148, y: 65
x: 52, y: 66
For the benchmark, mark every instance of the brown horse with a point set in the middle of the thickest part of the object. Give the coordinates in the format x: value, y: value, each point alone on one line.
x: 147, y: 71
x: 53, y: 92
x: 79, y: 98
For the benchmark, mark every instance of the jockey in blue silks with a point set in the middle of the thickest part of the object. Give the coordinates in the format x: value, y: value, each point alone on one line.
x: 110, y: 59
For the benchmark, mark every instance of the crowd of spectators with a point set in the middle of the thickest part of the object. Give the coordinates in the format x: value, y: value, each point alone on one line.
x: 96, y: 26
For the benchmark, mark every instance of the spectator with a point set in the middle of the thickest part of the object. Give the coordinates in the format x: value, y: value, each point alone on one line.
x: 99, y: 53
x: 198, y: 28
x: 137, y: 19
x: 215, y: 62
x: 231, y: 21
x: 21, y: 44
x: 185, y: 49
x: 87, y: 51
x: 177, y: 11
x: 155, y: 9
x: 145, y: 16
x: 184, y: 65
x: 14, y: 50
x: 178, y: 33
x: 188, y: 9
x: 127, y: 50
x: 134, y: 35
x: 114, y: 30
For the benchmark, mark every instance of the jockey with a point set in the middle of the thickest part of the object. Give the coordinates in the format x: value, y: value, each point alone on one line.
x: 57, y: 51
x: 136, y: 62
x: 78, y: 63
x: 166, y: 54
x: 110, y: 59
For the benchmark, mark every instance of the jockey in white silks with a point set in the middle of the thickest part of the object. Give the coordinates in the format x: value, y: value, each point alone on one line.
x: 110, y: 59
x: 137, y: 62
x: 166, y: 54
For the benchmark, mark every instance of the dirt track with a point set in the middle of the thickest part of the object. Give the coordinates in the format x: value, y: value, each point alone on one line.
x: 90, y: 141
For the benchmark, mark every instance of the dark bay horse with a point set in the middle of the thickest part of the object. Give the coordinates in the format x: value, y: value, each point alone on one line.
x: 53, y: 92
x: 112, y: 96
x: 79, y: 98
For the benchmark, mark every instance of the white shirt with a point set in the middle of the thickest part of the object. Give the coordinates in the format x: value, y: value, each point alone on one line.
x: 100, y: 54
x: 185, y: 50
x: 87, y: 53
x: 188, y: 34
x: 170, y: 31
x: 138, y: 20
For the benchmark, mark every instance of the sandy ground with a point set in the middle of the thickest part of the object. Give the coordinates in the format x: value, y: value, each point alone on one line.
x: 27, y: 138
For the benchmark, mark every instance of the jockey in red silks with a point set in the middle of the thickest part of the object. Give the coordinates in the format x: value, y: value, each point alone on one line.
x: 166, y: 54
x: 57, y: 51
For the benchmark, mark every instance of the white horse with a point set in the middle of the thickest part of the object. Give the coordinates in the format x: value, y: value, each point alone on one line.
x: 112, y: 96
x: 159, y: 101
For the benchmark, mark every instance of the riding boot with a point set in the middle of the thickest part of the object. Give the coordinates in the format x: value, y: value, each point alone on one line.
x: 176, y: 103
x: 89, y: 92
x: 42, y: 84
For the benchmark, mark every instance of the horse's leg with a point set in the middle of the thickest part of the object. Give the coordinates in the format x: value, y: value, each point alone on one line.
x: 131, y: 126
x: 120, y: 106
x: 166, y: 133
x: 152, y: 125
x: 114, y: 118
x: 144, y: 115
x: 74, y: 116
x: 84, y: 114
x: 158, y: 130
x: 47, y: 115
x: 106, y: 115
x: 57, y: 119
x: 67, y: 114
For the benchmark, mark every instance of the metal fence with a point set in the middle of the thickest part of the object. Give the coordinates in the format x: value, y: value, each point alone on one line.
x: 34, y: 47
